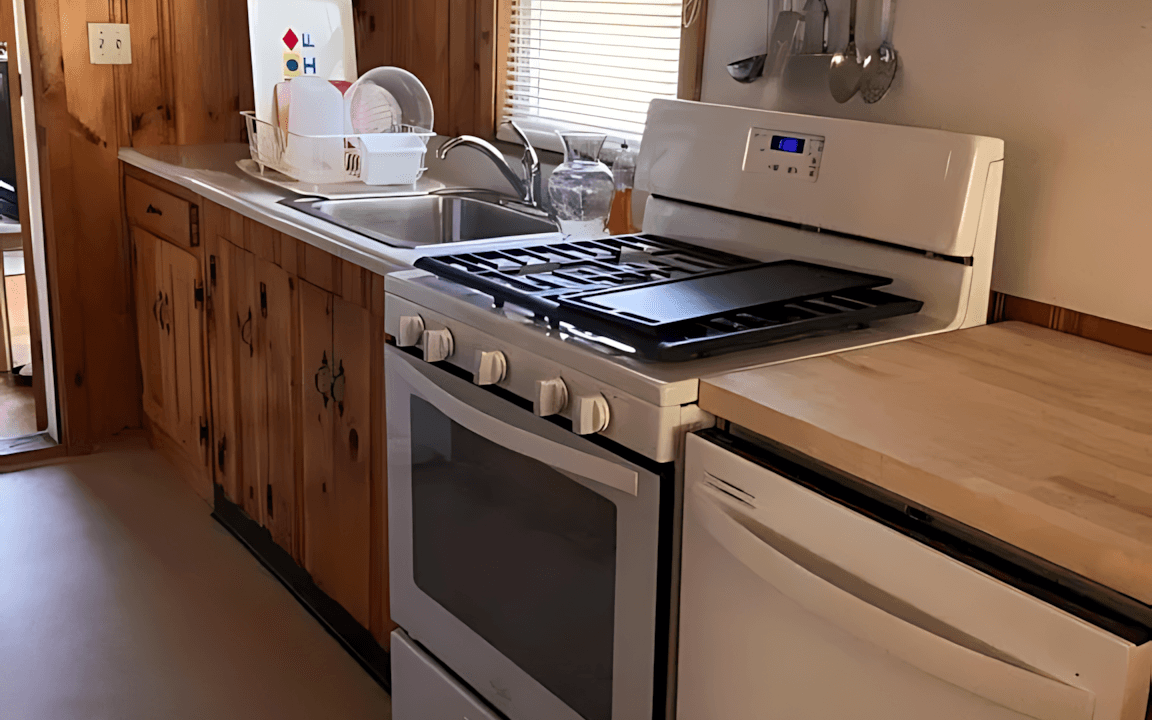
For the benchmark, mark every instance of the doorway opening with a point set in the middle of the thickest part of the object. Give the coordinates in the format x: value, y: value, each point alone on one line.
x: 29, y: 418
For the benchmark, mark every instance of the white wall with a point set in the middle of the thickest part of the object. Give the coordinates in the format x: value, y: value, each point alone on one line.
x: 1066, y: 83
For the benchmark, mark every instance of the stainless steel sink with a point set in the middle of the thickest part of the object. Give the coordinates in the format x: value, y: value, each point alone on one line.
x: 417, y: 220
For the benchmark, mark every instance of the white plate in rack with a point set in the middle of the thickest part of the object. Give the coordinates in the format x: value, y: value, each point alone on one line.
x: 336, y: 191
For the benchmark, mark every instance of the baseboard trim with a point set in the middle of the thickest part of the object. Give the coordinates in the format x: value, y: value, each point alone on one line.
x: 1129, y: 337
x: 339, y: 623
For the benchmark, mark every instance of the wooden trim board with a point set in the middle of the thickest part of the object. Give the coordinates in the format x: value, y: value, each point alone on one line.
x: 1129, y: 337
x: 692, y: 55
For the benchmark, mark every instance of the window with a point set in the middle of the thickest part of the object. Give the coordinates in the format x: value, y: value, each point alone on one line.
x: 591, y: 64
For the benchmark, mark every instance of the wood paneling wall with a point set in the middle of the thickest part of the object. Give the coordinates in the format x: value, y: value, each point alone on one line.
x: 190, y: 76
x: 449, y: 44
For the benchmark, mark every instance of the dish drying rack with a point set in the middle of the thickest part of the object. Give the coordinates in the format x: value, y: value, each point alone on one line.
x: 329, y: 159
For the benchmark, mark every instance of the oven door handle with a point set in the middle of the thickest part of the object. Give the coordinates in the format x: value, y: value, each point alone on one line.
x: 1006, y: 685
x: 563, y: 458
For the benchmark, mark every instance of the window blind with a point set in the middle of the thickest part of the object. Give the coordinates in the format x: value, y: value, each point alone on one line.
x: 590, y: 65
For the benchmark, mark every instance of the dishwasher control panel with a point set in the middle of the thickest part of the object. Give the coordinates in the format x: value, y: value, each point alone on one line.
x: 788, y: 154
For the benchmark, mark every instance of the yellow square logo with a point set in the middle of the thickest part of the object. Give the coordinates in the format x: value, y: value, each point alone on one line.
x: 293, y: 65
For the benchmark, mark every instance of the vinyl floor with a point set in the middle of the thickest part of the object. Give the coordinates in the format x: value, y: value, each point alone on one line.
x: 121, y: 598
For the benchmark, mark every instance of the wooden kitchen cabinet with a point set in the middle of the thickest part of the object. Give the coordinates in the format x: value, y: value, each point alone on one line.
x: 187, y: 420
x: 337, y: 436
x: 253, y: 346
x: 146, y: 272
x: 169, y: 302
x: 291, y: 384
x: 276, y: 341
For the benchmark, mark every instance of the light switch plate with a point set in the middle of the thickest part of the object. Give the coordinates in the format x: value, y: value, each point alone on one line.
x: 109, y: 44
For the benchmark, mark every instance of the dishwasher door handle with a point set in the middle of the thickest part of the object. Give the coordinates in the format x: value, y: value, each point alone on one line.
x: 1006, y: 685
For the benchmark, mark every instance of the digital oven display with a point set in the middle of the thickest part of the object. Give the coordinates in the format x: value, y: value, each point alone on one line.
x: 788, y: 144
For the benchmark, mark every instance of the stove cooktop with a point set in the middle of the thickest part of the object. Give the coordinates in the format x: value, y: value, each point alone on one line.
x: 672, y: 301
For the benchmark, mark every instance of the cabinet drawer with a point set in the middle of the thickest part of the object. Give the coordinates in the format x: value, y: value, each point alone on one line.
x: 162, y: 213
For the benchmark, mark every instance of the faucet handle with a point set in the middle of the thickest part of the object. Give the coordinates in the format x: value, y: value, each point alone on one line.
x: 519, y: 133
x: 530, y: 156
x: 531, y: 162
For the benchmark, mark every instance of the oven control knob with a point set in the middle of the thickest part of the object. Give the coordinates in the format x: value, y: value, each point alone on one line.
x: 551, y: 397
x: 491, y: 367
x: 591, y: 415
x: 438, y: 345
x: 411, y: 331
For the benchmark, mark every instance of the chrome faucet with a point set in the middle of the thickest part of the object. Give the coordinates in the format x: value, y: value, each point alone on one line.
x: 528, y: 188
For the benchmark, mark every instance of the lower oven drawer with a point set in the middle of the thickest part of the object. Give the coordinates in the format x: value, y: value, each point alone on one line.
x: 423, y: 690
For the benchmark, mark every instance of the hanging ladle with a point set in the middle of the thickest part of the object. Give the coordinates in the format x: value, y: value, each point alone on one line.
x: 847, y: 68
x: 881, y: 66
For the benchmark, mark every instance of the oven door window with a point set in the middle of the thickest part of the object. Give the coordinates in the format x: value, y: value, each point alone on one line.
x: 521, y: 553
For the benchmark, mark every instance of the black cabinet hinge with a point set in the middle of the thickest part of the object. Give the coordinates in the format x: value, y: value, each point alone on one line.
x: 203, y: 431
x: 194, y: 226
x: 269, y: 498
x: 212, y: 270
x: 221, y: 449
x: 198, y: 295
x: 263, y: 300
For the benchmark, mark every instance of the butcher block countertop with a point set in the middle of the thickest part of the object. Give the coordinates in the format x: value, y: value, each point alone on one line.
x: 1041, y: 439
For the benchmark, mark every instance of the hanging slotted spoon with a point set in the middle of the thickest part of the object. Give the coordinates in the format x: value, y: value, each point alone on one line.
x: 881, y: 66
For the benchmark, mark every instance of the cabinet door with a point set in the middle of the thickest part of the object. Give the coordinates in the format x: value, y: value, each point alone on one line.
x: 149, y: 305
x: 336, y: 416
x: 317, y: 418
x: 252, y: 408
x: 276, y: 352
x: 352, y: 472
x: 185, y: 368
x: 222, y: 361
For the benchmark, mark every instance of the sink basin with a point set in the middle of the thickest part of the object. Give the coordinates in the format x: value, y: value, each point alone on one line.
x: 414, y: 221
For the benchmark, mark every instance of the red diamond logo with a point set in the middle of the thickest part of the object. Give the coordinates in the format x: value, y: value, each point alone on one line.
x: 290, y: 40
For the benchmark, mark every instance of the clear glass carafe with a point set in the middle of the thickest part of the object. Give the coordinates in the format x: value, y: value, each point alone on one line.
x: 581, y: 189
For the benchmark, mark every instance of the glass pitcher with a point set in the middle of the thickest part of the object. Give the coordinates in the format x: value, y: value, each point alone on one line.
x: 581, y: 189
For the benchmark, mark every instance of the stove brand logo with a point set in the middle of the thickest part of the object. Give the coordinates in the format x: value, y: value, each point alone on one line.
x: 302, y: 62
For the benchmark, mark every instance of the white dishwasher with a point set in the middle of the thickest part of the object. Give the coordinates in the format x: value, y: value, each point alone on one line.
x: 806, y: 597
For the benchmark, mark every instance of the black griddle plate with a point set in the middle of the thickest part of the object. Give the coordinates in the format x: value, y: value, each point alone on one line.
x: 671, y: 301
x: 721, y: 292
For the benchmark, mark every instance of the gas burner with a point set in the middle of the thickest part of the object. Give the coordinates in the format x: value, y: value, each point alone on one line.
x: 671, y: 301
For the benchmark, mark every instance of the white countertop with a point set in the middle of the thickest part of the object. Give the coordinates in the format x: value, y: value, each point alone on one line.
x: 210, y: 171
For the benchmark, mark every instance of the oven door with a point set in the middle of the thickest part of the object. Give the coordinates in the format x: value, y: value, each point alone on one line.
x: 523, y: 557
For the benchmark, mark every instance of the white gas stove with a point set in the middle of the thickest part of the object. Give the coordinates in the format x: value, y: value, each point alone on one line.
x: 539, y: 391
x: 917, y: 206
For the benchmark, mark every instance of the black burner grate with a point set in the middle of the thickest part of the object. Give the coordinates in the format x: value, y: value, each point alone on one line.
x: 672, y: 301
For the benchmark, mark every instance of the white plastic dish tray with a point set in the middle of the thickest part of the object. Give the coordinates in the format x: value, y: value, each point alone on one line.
x: 325, y: 160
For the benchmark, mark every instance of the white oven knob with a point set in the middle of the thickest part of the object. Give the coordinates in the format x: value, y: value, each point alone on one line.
x: 411, y: 331
x: 491, y: 367
x: 438, y: 345
x: 592, y: 415
x: 551, y: 397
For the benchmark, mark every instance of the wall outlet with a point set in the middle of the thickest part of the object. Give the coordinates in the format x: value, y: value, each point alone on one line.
x: 109, y: 44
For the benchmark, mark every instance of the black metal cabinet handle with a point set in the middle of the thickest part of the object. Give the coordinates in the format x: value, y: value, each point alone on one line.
x: 339, y: 381
x: 153, y: 210
x: 246, y: 332
x: 222, y: 447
